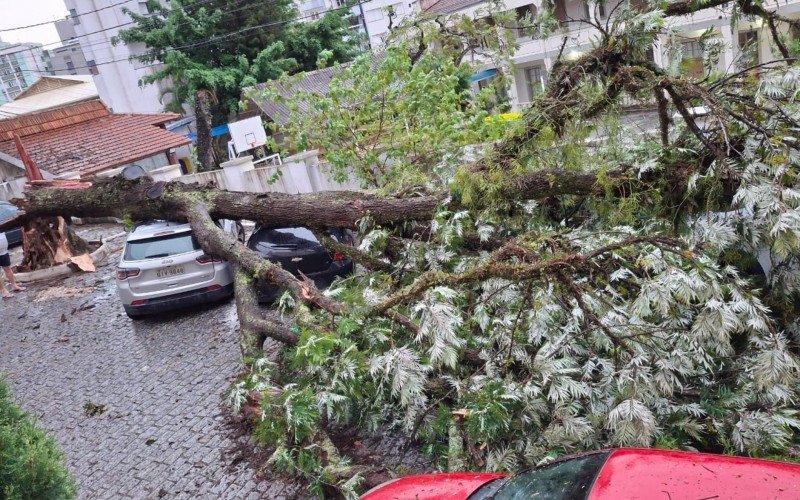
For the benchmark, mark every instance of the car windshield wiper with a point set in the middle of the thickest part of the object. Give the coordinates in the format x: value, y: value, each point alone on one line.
x: 157, y: 256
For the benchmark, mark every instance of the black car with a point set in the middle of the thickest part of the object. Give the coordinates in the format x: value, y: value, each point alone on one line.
x: 297, y: 250
x: 9, y: 211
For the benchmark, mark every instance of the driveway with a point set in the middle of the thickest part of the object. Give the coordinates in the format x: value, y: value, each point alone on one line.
x: 137, y: 407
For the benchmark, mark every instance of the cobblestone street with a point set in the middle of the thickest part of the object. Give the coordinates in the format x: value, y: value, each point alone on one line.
x: 165, y: 432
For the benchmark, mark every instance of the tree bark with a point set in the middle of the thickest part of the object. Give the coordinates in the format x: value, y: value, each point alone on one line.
x: 202, y: 112
x: 49, y: 241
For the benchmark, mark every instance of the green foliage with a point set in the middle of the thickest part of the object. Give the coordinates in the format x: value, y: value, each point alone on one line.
x: 405, y: 123
x: 223, y: 46
x: 31, y: 465
x: 620, y: 319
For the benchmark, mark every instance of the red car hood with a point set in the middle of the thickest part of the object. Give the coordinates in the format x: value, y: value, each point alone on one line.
x: 431, y: 487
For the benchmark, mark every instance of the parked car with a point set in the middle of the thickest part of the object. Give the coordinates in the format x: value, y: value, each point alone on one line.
x: 9, y: 211
x: 234, y: 228
x: 299, y: 251
x: 612, y: 475
x: 163, y: 268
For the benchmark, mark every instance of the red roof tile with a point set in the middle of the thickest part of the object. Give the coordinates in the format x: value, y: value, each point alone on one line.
x: 87, y: 139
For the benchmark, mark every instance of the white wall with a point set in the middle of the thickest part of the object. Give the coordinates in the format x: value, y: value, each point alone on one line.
x: 117, y: 82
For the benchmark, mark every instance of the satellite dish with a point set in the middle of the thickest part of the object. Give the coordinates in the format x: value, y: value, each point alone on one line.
x: 134, y: 172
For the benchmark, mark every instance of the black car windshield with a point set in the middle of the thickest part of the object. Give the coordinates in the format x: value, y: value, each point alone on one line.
x: 287, y: 237
x: 7, y: 211
x: 570, y: 479
x: 161, y: 246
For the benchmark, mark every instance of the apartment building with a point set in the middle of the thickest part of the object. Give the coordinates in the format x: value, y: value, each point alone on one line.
x: 96, y: 23
x: 68, y: 59
x: 311, y: 10
x: 21, y: 64
x: 745, y: 43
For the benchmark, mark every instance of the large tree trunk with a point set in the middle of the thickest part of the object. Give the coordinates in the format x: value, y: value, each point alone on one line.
x: 202, y: 112
x: 49, y: 241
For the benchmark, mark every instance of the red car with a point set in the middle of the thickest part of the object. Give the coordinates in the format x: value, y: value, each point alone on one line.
x: 628, y: 473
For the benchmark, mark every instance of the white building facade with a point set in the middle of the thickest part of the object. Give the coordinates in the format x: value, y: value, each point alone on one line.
x: 96, y: 23
x: 744, y: 44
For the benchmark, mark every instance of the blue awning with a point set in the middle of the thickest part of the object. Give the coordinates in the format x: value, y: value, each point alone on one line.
x: 218, y: 130
x: 483, y: 75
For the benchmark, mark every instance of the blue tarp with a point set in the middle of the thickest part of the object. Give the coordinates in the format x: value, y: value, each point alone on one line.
x: 218, y: 130
x: 483, y: 75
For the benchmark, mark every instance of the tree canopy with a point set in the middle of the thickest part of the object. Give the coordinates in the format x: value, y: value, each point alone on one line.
x: 527, y: 288
x: 220, y: 46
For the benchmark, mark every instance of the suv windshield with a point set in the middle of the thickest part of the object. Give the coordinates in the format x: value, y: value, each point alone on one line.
x: 161, y: 246
x: 570, y: 479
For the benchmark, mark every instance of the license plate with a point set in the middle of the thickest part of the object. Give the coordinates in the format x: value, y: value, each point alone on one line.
x: 168, y: 272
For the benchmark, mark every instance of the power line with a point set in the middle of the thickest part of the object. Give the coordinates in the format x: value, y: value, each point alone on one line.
x: 70, y: 17
x: 108, y: 43
x: 220, y: 37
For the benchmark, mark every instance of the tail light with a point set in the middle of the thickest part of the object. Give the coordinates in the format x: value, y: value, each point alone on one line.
x: 140, y: 302
x: 207, y: 259
x: 214, y: 288
x: 338, y: 256
x: 123, y: 274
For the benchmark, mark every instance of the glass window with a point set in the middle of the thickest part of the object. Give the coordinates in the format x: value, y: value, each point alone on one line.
x: 74, y: 15
x: 524, y: 17
x: 161, y: 246
x: 569, y: 479
x: 692, y: 50
x: 748, y: 45
x: 535, y: 79
x: 285, y: 238
x: 598, y: 7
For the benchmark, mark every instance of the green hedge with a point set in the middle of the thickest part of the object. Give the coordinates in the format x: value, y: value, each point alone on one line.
x: 31, y: 465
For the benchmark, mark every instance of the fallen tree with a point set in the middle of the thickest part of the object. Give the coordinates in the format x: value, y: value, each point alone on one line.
x: 577, y: 286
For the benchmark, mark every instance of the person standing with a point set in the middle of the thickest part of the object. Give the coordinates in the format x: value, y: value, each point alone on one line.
x: 5, y: 263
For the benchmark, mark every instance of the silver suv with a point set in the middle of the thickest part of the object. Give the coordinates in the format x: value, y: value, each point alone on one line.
x: 164, y: 268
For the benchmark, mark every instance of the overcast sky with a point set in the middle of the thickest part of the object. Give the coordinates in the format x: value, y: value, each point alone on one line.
x: 14, y: 13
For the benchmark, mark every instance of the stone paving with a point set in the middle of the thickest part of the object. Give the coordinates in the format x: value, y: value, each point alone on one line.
x: 67, y: 346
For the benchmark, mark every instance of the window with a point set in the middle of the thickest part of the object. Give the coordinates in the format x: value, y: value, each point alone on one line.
x: 692, y: 63
x: 74, y: 15
x: 524, y: 16
x: 598, y: 8
x: 748, y: 48
x: 535, y: 79
x: 161, y: 246
x: 692, y: 50
x: 92, y: 67
x: 70, y: 65
x: 560, y: 480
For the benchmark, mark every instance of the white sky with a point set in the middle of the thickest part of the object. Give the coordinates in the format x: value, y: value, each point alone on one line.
x: 14, y: 13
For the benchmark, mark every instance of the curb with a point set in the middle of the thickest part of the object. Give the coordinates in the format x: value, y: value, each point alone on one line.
x: 98, y: 256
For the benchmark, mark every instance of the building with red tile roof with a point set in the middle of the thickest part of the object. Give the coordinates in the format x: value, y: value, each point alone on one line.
x: 87, y: 138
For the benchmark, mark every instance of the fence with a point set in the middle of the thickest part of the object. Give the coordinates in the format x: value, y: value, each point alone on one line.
x: 301, y: 173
